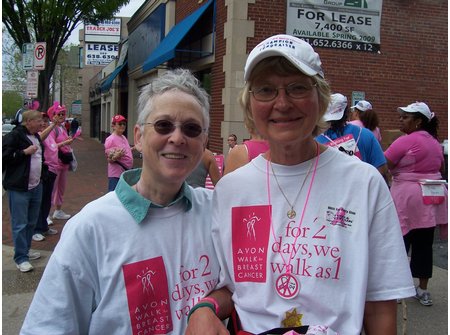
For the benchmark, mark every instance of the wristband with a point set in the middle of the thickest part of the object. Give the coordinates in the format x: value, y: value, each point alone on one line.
x: 200, y: 305
x: 213, y: 301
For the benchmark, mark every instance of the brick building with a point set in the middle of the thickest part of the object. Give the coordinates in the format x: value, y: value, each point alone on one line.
x: 214, y: 37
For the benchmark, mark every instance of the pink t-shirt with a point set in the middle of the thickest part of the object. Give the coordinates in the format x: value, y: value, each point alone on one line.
x: 418, y: 152
x: 256, y: 147
x: 51, y: 154
x: 59, y: 135
x: 113, y: 142
x: 416, y: 156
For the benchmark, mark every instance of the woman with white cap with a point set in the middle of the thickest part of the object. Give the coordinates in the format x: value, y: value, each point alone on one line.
x: 363, y: 115
x: 416, y: 162
x: 349, y: 138
x: 308, y: 243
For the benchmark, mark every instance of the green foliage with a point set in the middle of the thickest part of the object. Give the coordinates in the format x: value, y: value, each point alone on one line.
x: 53, y: 22
x: 11, y: 102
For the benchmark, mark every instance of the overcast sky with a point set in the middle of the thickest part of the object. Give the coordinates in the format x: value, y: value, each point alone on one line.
x: 126, y: 11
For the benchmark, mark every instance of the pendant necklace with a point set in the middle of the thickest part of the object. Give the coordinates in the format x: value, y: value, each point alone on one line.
x: 287, y: 285
x: 291, y: 213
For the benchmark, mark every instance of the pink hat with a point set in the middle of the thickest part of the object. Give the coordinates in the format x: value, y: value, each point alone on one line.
x: 55, y: 109
x: 118, y: 118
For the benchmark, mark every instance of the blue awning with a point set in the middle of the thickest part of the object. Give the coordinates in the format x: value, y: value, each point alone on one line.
x: 108, y: 82
x: 166, y: 49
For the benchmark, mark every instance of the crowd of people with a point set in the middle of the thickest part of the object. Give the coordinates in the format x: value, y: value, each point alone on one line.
x: 333, y: 262
x: 36, y: 157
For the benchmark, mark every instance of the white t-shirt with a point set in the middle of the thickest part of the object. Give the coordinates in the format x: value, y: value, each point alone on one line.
x: 348, y: 249
x: 112, y: 275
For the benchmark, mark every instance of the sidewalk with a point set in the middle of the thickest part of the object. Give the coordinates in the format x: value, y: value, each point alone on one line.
x: 90, y: 182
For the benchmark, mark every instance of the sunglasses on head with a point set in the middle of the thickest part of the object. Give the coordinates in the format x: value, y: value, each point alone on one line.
x: 165, y: 127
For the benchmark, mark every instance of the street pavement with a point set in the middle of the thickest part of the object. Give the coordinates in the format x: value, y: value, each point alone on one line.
x: 90, y: 182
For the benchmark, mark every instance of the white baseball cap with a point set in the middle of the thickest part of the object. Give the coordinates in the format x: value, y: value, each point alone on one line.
x: 417, y: 107
x: 336, y: 107
x: 363, y: 105
x: 297, y: 51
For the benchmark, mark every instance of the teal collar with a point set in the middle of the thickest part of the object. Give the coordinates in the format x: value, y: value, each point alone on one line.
x: 136, y: 204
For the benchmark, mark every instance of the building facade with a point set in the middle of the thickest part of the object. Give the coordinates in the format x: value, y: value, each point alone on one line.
x: 214, y: 37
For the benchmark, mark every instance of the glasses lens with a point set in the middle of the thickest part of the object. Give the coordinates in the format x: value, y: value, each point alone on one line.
x: 164, y: 127
x: 122, y: 124
x: 265, y: 93
x: 297, y: 90
x: 191, y: 129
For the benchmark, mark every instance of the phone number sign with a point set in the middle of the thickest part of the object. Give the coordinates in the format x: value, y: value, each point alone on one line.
x: 101, y: 53
x: 348, y: 25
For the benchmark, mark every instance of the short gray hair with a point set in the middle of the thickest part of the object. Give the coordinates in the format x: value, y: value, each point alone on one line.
x: 174, y: 80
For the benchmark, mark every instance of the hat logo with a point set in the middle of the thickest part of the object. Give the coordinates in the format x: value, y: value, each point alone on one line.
x: 276, y: 43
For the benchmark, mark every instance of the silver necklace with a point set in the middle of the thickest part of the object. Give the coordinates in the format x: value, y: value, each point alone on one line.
x: 291, y: 213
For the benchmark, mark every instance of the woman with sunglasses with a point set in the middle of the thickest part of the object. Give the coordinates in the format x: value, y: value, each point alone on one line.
x: 63, y: 142
x: 118, y: 151
x: 309, y: 243
x: 136, y: 260
x: 416, y: 163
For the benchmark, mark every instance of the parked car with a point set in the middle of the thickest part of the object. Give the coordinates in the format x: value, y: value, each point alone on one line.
x: 6, y: 128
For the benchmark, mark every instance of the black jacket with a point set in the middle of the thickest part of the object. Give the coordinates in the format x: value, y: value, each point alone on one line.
x: 16, y: 165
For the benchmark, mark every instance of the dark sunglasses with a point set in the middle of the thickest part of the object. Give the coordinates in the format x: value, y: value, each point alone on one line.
x: 165, y: 127
x: 121, y: 124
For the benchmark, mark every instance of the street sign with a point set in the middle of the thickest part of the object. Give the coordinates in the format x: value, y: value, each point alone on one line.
x: 39, y: 55
x: 27, y: 56
x: 32, y: 84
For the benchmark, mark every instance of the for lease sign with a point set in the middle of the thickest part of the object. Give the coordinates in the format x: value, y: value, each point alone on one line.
x: 101, y: 53
x: 338, y: 24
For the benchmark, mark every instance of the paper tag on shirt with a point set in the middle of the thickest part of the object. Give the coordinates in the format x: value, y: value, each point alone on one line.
x: 250, y: 238
x: 432, y: 194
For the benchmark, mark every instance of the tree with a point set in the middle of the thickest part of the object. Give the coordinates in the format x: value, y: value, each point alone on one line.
x: 12, y: 70
x: 52, y: 21
x: 11, y: 102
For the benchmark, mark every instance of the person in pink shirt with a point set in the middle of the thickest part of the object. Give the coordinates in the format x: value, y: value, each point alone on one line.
x: 363, y: 115
x: 51, y: 162
x: 243, y: 153
x: 416, y: 162
x: 118, y: 151
x: 63, y: 142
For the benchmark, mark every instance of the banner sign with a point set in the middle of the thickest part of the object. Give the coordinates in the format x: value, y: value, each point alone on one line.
x: 338, y: 24
x: 101, y: 53
x: 107, y: 27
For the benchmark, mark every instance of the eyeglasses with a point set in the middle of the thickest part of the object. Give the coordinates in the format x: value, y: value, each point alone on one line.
x: 294, y: 91
x: 61, y: 114
x: 121, y: 124
x: 165, y: 127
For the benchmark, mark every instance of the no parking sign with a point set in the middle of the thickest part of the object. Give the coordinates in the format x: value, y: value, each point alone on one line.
x: 39, y: 55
